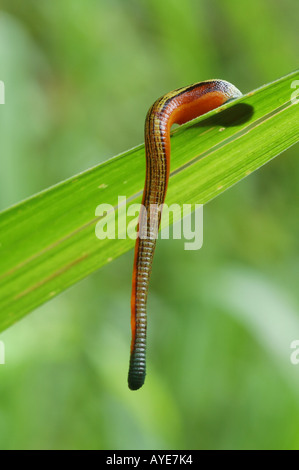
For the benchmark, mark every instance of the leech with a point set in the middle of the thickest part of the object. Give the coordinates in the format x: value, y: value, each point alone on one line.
x: 178, y: 107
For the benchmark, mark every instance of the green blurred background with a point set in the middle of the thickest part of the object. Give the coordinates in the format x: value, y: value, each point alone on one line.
x: 80, y: 76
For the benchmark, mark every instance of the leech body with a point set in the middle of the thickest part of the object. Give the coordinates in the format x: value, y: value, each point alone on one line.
x: 178, y: 106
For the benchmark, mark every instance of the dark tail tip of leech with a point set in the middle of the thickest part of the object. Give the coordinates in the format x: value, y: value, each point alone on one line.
x: 136, y: 376
x: 136, y: 381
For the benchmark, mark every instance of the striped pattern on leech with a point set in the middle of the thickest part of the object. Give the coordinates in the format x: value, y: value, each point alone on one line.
x: 137, y: 368
x: 154, y: 194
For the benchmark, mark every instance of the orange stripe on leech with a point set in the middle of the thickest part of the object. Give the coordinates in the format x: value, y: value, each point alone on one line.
x: 192, y: 109
x: 133, y: 297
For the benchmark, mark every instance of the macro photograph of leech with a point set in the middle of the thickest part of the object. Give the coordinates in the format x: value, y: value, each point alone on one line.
x: 149, y: 227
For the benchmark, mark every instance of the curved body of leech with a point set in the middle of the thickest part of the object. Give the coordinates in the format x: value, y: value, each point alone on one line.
x: 178, y: 106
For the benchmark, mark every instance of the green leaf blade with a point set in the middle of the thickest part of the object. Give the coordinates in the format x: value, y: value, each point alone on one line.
x: 48, y: 242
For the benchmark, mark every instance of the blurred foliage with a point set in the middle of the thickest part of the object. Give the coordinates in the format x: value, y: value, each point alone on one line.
x: 79, y: 79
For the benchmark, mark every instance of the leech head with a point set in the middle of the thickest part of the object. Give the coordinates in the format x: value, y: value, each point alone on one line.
x: 230, y: 90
